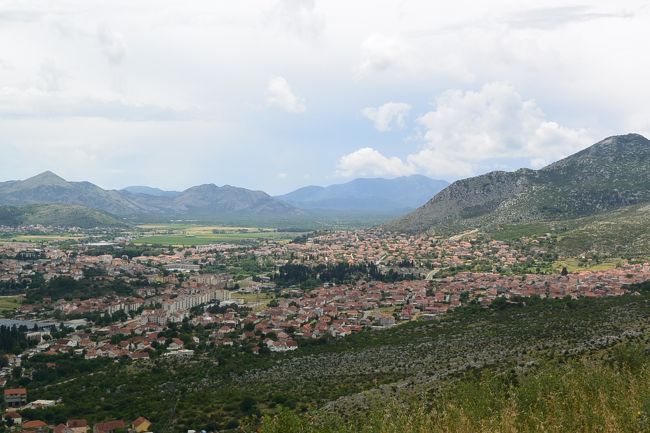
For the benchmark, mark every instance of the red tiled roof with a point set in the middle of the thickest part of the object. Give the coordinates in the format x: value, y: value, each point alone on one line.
x: 34, y: 424
x: 109, y: 425
x: 75, y: 423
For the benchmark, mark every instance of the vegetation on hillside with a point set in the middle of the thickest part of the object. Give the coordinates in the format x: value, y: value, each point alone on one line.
x: 623, y: 232
x: 607, y: 393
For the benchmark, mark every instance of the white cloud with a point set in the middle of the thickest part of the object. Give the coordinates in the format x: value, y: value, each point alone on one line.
x: 495, y: 122
x: 369, y: 162
x: 468, y: 131
x: 380, y: 53
x: 387, y: 116
x: 46, y: 101
x: 113, y: 45
x: 279, y: 94
x: 549, y: 18
x: 50, y: 77
x: 297, y: 16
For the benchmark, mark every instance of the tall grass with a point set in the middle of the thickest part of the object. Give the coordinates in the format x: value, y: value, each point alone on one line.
x: 611, y: 395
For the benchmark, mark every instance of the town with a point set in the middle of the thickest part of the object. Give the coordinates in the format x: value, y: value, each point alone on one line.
x: 112, y: 300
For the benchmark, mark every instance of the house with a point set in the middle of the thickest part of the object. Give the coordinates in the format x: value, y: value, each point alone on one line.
x: 176, y: 344
x: 77, y: 426
x: 109, y: 426
x: 15, y: 417
x: 36, y: 425
x: 15, y: 397
x: 141, y: 425
x: 386, y: 320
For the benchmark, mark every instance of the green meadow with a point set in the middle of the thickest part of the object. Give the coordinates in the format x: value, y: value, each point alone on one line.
x: 10, y: 303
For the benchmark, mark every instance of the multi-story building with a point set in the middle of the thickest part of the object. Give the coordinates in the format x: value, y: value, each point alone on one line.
x: 15, y: 397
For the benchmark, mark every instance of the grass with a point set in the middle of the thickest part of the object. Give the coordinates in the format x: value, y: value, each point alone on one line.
x: 10, y: 303
x: 583, y: 395
x: 259, y: 300
x: 574, y: 265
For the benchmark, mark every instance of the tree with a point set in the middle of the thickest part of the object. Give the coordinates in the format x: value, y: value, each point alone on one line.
x: 248, y: 405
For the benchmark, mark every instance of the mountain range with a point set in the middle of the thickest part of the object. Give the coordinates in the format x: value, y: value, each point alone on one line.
x: 612, y: 174
x: 200, y: 201
x: 389, y: 197
x: 377, y: 195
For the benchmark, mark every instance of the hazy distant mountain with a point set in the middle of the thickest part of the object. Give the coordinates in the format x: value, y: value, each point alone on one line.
x: 371, y: 195
x: 609, y: 175
x: 208, y: 201
x: 147, y: 190
x: 211, y: 199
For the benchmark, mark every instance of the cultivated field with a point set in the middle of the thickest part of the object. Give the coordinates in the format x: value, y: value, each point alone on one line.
x: 187, y: 234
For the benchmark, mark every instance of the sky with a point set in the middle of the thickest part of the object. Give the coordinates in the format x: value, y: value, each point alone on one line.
x: 277, y: 94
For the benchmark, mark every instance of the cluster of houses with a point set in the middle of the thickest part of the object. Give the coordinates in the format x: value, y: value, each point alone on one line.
x: 341, y: 310
x: 485, y: 287
x: 133, y: 339
x: 15, y: 401
x: 373, y: 245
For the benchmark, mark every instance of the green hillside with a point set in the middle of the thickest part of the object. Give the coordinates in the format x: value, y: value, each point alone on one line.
x: 57, y: 215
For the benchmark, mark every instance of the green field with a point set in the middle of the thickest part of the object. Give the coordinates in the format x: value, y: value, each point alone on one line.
x: 187, y: 234
x: 10, y: 303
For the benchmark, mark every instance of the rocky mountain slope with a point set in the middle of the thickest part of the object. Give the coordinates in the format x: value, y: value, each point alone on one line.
x: 374, y: 195
x: 609, y: 175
